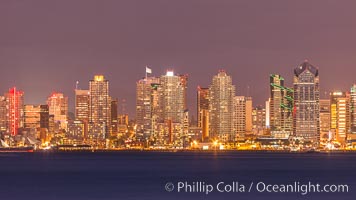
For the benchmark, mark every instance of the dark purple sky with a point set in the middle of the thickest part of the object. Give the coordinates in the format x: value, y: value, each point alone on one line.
x: 49, y: 45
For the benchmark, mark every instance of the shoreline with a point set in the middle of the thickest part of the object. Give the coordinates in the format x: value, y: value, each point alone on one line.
x: 195, y: 151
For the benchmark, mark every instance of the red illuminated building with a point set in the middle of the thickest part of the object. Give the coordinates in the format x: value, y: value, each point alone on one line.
x: 15, y: 102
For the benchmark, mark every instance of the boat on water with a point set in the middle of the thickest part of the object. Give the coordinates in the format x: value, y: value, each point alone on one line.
x: 5, y: 148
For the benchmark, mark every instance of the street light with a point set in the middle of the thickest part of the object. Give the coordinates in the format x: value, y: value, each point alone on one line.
x: 215, y: 143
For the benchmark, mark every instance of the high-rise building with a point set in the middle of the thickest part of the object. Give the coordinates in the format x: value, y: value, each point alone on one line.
x: 114, y: 116
x: 343, y: 122
x: 202, y: 104
x: 36, y: 116
x: 267, y: 103
x: 258, y: 120
x: 221, y: 95
x: 324, y: 118
x: 37, y: 121
x: 239, y: 116
x: 99, y: 107
x: 3, y: 114
x: 242, y: 115
x: 280, y: 109
x: 82, y: 98
x: 203, y: 111
x: 339, y: 115
x: 171, y: 110
x: 58, y: 107
x: 184, y: 85
x: 353, y: 109
x: 248, y: 110
x: 82, y: 105
x: 15, y: 102
x: 306, y: 103
x: 172, y: 97
x: 146, y: 101
x: 334, y: 96
x: 52, y: 125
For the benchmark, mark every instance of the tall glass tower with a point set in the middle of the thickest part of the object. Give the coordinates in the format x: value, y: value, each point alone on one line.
x: 221, y: 94
x: 306, y: 103
x: 172, y: 97
x: 99, y: 107
x: 144, y: 104
x: 281, y: 106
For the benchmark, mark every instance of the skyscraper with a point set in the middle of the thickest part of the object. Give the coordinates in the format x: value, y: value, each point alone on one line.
x: 242, y: 115
x: 172, y: 104
x: 353, y: 109
x: 239, y: 115
x: 343, y: 122
x: 82, y: 105
x: 202, y: 103
x: 36, y: 116
x: 248, y: 110
x: 145, y: 104
x: 339, y: 115
x: 58, y: 107
x: 37, y: 120
x: 15, y: 102
x: 281, y: 106
x: 259, y: 120
x: 3, y: 114
x: 172, y: 97
x: 99, y: 107
x: 114, y: 116
x: 306, y: 103
x: 82, y: 98
x: 203, y: 111
x: 325, y: 118
x: 184, y: 85
x: 221, y: 95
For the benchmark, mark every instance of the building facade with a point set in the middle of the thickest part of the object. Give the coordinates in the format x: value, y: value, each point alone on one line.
x: 203, y: 111
x: 306, y: 103
x: 58, y: 107
x: 146, y: 104
x: 36, y: 116
x: 202, y: 104
x: 171, y: 112
x: 82, y: 105
x: 280, y: 108
x: 259, y: 120
x: 339, y: 115
x: 3, y: 115
x: 242, y: 116
x: 324, y: 118
x: 172, y: 97
x: 221, y: 105
x: 99, y: 108
x: 15, y: 110
x: 114, y: 122
x: 353, y: 109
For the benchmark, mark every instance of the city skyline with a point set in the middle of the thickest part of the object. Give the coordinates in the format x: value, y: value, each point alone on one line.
x: 177, y: 99
x: 123, y: 37
x: 162, y: 117
x: 191, y: 104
